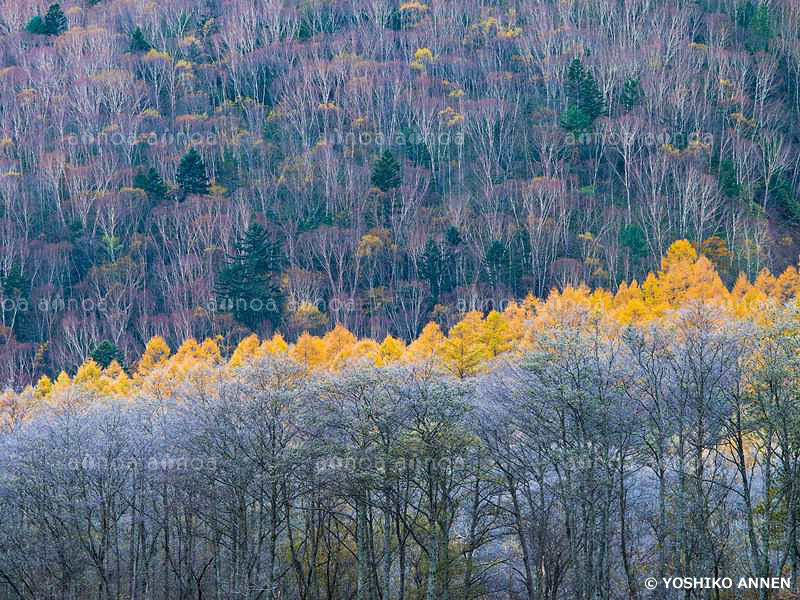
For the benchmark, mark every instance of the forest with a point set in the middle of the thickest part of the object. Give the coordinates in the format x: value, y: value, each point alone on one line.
x: 566, y: 448
x: 194, y: 168
x: 399, y: 300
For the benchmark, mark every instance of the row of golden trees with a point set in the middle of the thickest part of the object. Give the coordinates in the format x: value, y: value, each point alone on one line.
x: 470, y: 346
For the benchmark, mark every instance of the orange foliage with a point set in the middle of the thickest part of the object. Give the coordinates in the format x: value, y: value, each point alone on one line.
x: 685, y: 278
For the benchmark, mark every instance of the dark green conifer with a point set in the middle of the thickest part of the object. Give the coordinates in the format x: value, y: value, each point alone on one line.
x: 55, y: 21
x: 192, y: 178
x: 247, y: 285
x: 762, y: 27
x: 727, y: 179
x: 386, y: 172
x: 631, y: 93
x: 574, y: 119
x: 575, y: 75
x: 105, y: 352
x: 15, y: 290
x: 585, y: 101
x: 432, y: 267
x: 453, y: 236
x: 153, y: 184
x: 591, y: 100
x: 36, y: 25
x: 138, y: 42
x: 496, y: 260
x: 632, y: 237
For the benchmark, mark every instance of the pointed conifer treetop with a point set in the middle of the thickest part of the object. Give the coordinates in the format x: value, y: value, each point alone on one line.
x: 192, y: 177
x: 105, y: 353
x: 55, y: 21
x: 386, y: 172
x: 153, y: 184
x: 139, y: 42
x: 248, y: 283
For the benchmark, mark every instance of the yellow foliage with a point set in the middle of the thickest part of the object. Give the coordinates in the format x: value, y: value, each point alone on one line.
x: 787, y: 285
x: 209, y: 352
x: 685, y: 278
x: 277, y: 345
x: 154, y: 54
x: 465, y: 350
x: 451, y: 117
x: 423, y: 54
x: 14, y: 408
x: 680, y: 252
x: 634, y: 311
x: 119, y: 382
x: 652, y: 294
x: 190, y: 118
x: 427, y: 346
x: 568, y: 307
x: 248, y: 349
x: 309, y: 350
x: 334, y: 342
x: 88, y: 373
x: 627, y: 293
x: 741, y: 287
x: 189, y: 351
x: 155, y: 355
x: 765, y: 282
x: 43, y: 387
x: 496, y: 334
x: 369, y: 244
x: 705, y: 284
x: 365, y: 350
x: 413, y: 6
x: 390, y: 351
x: 62, y: 382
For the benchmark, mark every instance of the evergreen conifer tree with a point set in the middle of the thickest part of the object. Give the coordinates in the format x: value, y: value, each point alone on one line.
x: 105, y: 352
x: 632, y: 237
x: 631, y: 93
x: 585, y: 101
x: 138, y: 42
x: 153, y: 184
x: 575, y: 75
x: 247, y: 286
x: 497, y: 262
x: 591, y: 99
x: 432, y: 267
x: 191, y: 177
x: 745, y: 13
x: 36, y: 25
x: 55, y: 22
x: 728, y: 184
x: 519, y: 252
x: 386, y: 172
x: 762, y: 27
x: 453, y: 236
x: 15, y: 291
x: 574, y: 119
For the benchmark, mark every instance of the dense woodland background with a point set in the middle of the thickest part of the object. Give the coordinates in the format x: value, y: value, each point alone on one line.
x: 379, y: 301
x: 405, y: 162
